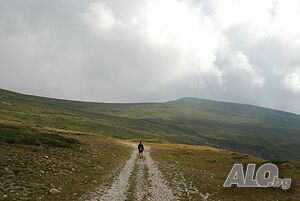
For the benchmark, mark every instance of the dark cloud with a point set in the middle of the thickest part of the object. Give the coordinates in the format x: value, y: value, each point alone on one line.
x: 142, y: 50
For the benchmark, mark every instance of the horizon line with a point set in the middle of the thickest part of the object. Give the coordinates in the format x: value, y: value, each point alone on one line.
x: 147, y: 102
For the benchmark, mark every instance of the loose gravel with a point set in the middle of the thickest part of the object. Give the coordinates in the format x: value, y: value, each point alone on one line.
x: 118, y: 190
x: 156, y: 191
x: 159, y: 189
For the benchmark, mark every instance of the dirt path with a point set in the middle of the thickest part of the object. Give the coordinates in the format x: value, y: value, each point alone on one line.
x: 159, y: 189
x: 148, y: 182
x: 120, y: 185
x: 141, y: 189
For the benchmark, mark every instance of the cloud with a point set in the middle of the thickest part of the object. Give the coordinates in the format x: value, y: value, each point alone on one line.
x: 141, y: 50
x: 241, y: 63
x: 99, y: 16
x: 292, y: 81
x: 174, y: 24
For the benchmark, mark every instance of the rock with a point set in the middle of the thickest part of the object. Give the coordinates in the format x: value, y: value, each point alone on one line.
x: 5, y: 196
x: 100, y: 167
x: 287, y: 163
x: 46, y: 156
x: 54, y: 191
x: 43, y: 172
x: 9, y: 171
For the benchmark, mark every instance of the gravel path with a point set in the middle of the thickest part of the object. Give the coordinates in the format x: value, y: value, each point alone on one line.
x: 153, y: 188
x: 159, y: 189
x: 118, y: 190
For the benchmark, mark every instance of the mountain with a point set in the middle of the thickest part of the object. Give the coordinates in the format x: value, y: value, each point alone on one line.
x: 267, y: 133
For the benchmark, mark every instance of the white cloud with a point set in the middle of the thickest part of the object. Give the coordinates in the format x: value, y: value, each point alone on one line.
x: 234, y: 12
x: 287, y: 17
x: 100, y: 16
x: 241, y: 63
x: 292, y: 81
x: 177, y: 25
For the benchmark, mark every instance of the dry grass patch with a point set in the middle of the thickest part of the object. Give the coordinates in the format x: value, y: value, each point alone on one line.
x: 206, y: 169
x: 29, y: 170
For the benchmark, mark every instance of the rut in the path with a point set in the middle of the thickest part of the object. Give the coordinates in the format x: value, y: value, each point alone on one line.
x: 153, y: 188
x: 141, y: 186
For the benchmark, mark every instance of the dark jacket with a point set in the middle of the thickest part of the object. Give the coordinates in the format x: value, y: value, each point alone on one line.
x: 141, y: 148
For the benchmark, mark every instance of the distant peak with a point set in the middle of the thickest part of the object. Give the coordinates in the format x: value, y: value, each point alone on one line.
x: 187, y: 100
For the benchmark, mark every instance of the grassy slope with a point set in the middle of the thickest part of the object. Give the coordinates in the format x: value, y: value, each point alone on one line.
x: 35, y: 160
x: 207, y: 168
x: 267, y: 133
x: 32, y: 128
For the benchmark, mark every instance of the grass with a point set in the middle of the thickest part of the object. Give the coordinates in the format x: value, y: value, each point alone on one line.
x: 34, y: 160
x: 271, y: 134
x: 33, y: 164
x: 130, y: 195
x: 16, y: 135
x: 207, y: 168
x: 47, y: 143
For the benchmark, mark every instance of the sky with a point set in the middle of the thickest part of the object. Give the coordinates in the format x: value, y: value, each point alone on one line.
x: 153, y: 50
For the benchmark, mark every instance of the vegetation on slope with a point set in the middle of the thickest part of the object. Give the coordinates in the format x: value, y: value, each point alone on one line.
x: 206, y: 168
x: 267, y: 133
x: 39, y: 164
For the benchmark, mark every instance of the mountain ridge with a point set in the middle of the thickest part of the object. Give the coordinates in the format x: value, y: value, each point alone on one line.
x: 182, y: 99
x: 267, y: 133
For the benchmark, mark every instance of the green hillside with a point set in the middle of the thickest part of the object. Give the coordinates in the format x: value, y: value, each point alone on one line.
x: 267, y: 133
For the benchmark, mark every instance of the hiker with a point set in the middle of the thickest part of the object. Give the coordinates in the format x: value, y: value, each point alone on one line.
x: 141, y: 148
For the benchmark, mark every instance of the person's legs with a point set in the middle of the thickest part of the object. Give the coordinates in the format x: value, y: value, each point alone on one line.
x: 141, y: 154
